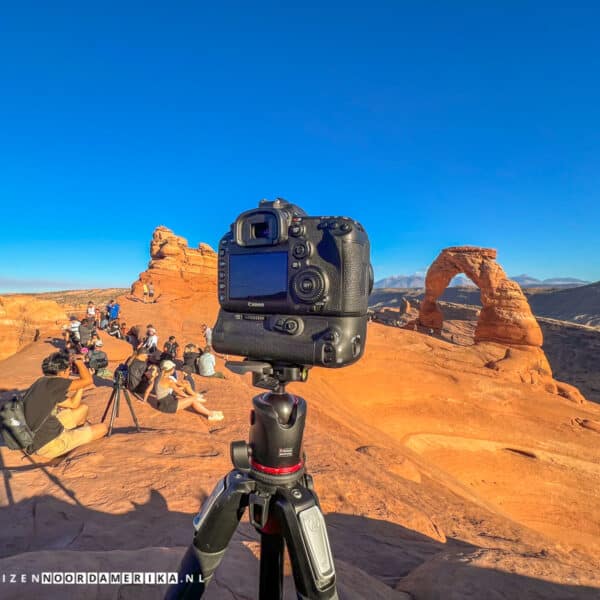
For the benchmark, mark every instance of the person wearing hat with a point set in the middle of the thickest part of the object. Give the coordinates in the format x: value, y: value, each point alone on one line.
x: 173, y: 396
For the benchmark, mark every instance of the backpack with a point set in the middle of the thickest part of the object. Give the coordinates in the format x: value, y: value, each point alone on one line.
x: 13, y: 426
x: 98, y: 360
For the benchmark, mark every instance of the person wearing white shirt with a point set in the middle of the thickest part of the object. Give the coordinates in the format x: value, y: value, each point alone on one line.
x: 207, y: 363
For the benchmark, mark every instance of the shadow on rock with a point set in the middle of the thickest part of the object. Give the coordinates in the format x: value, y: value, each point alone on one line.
x: 374, y: 559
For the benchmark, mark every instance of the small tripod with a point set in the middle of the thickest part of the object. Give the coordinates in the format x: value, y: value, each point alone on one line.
x: 115, y: 399
x: 269, y: 478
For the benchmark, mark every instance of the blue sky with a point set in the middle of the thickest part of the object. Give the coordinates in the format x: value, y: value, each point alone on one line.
x: 434, y: 124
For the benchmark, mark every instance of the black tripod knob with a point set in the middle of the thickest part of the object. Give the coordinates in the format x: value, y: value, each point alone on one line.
x: 240, y: 455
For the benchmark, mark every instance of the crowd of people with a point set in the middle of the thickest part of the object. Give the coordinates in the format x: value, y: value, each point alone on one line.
x: 52, y: 407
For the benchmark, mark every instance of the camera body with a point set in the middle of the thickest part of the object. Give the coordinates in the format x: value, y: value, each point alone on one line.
x: 293, y: 288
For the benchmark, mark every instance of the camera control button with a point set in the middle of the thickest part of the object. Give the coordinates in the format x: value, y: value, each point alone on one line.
x: 221, y: 252
x: 221, y: 286
x: 296, y: 264
x: 300, y: 251
x: 291, y: 326
x: 296, y: 230
x: 331, y: 336
x: 346, y: 228
x: 307, y: 285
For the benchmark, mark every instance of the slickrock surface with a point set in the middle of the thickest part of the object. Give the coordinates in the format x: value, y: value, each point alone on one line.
x: 439, y: 477
x: 21, y: 316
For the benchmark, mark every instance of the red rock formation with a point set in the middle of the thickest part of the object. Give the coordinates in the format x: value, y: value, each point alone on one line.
x: 505, y: 318
x: 21, y: 316
x: 175, y: 268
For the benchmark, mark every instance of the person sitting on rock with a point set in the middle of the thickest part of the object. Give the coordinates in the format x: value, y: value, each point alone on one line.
x: 133, y: 336
x: 114, y: 329
x: 86, y: 331
x: 140, y: 375
x: 74, y: 325
x: 191, y: 354
x: 170, y: 349
x: 97, y: 360
x: 173, y: 396
x: 54, y: 411
x: 150, y: 342
x: 207, y: 363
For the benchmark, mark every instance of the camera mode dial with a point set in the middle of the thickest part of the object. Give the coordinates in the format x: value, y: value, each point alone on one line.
x: 309, y: 285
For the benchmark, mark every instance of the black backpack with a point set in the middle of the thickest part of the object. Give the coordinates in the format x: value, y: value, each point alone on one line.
x: 98, y: 360
x: 15, y: 431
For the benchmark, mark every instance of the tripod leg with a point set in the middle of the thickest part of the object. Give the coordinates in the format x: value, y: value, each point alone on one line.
x: 115, y: 411
x: 271, y: 567
x: 214, y: 527
x: 128, y: 398
x: 305, y: 533
x: 110, y: 401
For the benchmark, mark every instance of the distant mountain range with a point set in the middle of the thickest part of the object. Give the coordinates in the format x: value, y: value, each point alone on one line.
x: 417, y: 280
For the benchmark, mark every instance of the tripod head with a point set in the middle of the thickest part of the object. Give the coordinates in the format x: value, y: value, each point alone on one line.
x: 269, y: 376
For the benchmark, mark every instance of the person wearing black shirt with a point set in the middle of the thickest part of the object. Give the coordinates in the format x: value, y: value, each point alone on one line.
x: 86, y: 331
x: 191, y: 353
x: 137, y: 366
x: 54, y: 411
x: 170, y: 349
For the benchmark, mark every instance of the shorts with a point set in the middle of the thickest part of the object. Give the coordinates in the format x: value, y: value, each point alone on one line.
x: 168, y: 404
x: 71, y: 437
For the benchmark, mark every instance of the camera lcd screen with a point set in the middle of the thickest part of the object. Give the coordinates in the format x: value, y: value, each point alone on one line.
x: 260, y: 276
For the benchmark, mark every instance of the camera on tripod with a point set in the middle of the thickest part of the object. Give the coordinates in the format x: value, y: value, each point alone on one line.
x: 293, y: 288
x: 293, y: 291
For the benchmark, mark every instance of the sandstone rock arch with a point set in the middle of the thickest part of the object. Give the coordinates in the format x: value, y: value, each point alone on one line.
x: 505, y: 317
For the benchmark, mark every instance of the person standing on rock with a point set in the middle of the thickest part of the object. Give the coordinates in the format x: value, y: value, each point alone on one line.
x: 151, y: 292
x: 113, y: 309
x: 145, y: 291
x: 207, y: 332
x: 54, y: 411
x: 91, y: 313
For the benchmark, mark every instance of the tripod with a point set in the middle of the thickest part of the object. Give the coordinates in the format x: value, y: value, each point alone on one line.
x: 115, y: 400
x: 268, y: 478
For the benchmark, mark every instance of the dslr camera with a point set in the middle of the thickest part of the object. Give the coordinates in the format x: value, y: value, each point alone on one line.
x: 293, y: 288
